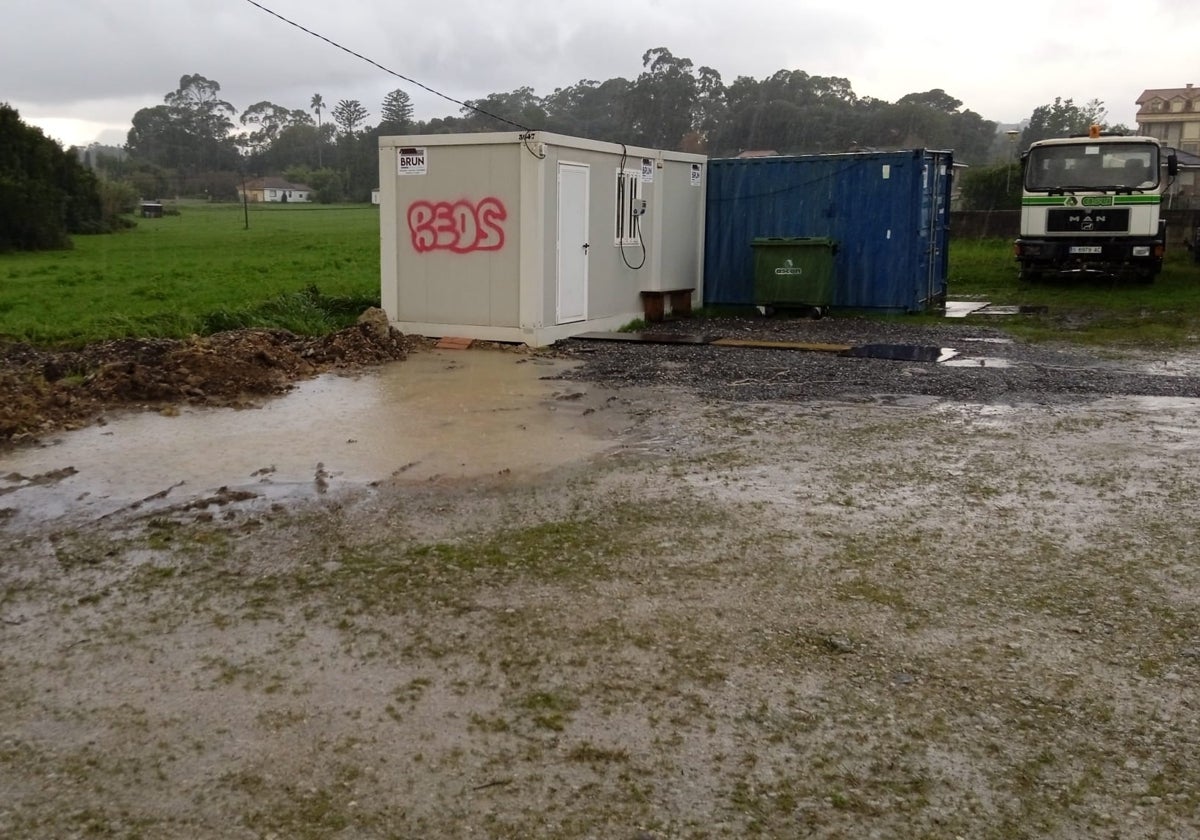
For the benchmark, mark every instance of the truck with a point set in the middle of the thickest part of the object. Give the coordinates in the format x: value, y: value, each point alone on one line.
x: 1091, y: 204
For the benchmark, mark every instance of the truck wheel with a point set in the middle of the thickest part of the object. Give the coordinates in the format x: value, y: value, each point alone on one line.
x: 1031, y: 275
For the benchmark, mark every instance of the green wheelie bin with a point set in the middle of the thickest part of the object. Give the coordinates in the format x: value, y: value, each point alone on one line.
x: 794, y: 272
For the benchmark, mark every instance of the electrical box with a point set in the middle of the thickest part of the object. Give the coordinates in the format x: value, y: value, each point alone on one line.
x: 638, y: 207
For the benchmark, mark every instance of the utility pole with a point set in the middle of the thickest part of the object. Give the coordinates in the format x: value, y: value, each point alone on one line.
x: 1013, y: 134
x: 245, y: 204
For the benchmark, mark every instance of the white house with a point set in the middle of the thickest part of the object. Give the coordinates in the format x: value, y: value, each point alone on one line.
x: 273, y: 189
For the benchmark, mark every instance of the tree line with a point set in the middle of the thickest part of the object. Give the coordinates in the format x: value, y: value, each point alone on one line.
x: 46, y: 193
x: 191, y: 143
x: 198, y: 144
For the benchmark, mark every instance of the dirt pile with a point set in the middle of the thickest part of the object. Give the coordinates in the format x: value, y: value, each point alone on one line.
x: 44, y: 390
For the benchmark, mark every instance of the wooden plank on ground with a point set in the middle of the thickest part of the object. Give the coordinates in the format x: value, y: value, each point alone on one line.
x: 451, y: 342
x: 783, y: 345
x: 646, y: 337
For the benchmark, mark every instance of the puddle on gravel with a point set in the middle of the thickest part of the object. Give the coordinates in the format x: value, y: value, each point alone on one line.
x: 1188, y: 365
x: 438, y: 414
x: 901, y: 352
x: 978, y: 361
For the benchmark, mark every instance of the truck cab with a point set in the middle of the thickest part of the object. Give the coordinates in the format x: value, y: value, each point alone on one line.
x: 1091, y: 204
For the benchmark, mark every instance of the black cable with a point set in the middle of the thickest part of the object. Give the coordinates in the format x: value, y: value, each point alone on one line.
x: 386, y: 70
x: 637, y: 226
x: 635, y: 220
x: 525, y: 142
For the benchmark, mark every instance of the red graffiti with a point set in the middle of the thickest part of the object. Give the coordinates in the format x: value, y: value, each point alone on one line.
x: 460, y: 226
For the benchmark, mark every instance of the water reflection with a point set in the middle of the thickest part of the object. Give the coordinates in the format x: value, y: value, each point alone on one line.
x: 901, y: 352
x: 437, y: 414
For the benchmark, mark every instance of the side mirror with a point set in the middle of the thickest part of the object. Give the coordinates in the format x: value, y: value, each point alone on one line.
x: 1172, y: 165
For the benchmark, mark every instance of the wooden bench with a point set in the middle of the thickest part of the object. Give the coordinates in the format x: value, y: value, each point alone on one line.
x: 654, y: 304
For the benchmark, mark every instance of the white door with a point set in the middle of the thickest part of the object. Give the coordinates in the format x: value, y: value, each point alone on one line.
x: 573, y: 242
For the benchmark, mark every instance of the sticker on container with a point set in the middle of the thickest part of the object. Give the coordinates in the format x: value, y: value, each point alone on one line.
x: 412, y: 160
x: 647, y: 171
x: 697, y: 175
x: 887, y: 171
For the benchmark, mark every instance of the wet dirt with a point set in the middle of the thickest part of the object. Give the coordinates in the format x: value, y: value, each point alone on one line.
x: 46, y: 390
x: 593, y: 610
x: 438, y: 415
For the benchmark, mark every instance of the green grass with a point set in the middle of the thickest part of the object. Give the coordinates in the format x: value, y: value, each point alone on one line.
x: 309, y: 269
x: 1086, y: 311
x: 312, y: 269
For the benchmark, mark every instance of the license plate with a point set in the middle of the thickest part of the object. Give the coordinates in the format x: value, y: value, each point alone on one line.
x: 1086, y: 249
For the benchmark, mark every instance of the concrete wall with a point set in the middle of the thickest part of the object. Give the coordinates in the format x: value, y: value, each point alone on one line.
x: 981, y: 224
x: 1181, y: 226
x: 1006, y: 224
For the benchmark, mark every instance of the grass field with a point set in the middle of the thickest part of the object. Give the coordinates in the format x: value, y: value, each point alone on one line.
x: 313, y: 268
x: 1093, y: 311
x: 304, y: 268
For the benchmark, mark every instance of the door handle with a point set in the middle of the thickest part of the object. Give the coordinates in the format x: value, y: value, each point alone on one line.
x: 585, y: 247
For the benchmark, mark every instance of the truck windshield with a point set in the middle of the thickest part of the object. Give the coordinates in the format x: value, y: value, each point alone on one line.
x: 1092, y: 166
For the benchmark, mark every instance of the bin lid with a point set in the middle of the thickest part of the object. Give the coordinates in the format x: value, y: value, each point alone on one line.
x: 791, y: 241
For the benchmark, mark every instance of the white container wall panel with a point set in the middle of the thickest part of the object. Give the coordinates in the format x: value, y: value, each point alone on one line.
x: 612, y: 287
x: 682, y: 211
x: 457, y: 248
x: 671, y: 230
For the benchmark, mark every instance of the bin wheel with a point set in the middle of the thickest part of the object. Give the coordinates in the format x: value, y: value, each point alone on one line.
x: 817, y: 312
x: 767, y: 311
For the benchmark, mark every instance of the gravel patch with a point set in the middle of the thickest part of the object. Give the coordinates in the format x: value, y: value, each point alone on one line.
x: 988, y: 366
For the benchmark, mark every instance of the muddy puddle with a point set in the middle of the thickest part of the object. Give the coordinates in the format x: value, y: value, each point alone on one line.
x: 1188, y: 365
x: 437, y: 415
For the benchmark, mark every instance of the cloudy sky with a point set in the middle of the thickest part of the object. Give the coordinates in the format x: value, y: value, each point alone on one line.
x: 79, y: 69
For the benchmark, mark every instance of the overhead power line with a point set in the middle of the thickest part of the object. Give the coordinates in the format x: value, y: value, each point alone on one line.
x: 331, y: 42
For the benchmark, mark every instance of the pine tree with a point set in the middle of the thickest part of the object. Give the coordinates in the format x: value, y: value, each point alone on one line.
x: 397, y: 113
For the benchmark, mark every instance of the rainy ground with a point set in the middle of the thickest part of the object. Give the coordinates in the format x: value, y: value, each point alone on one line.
x: 500, y: 594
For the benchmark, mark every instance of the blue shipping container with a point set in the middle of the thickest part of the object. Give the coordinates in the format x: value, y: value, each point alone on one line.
x: 887, y: 211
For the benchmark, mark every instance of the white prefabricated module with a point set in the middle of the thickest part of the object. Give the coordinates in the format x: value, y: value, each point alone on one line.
x: 534, y: 237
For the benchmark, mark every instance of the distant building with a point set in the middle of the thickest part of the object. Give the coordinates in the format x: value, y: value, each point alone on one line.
x: 1172, y: 115
x: 273, y: 189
